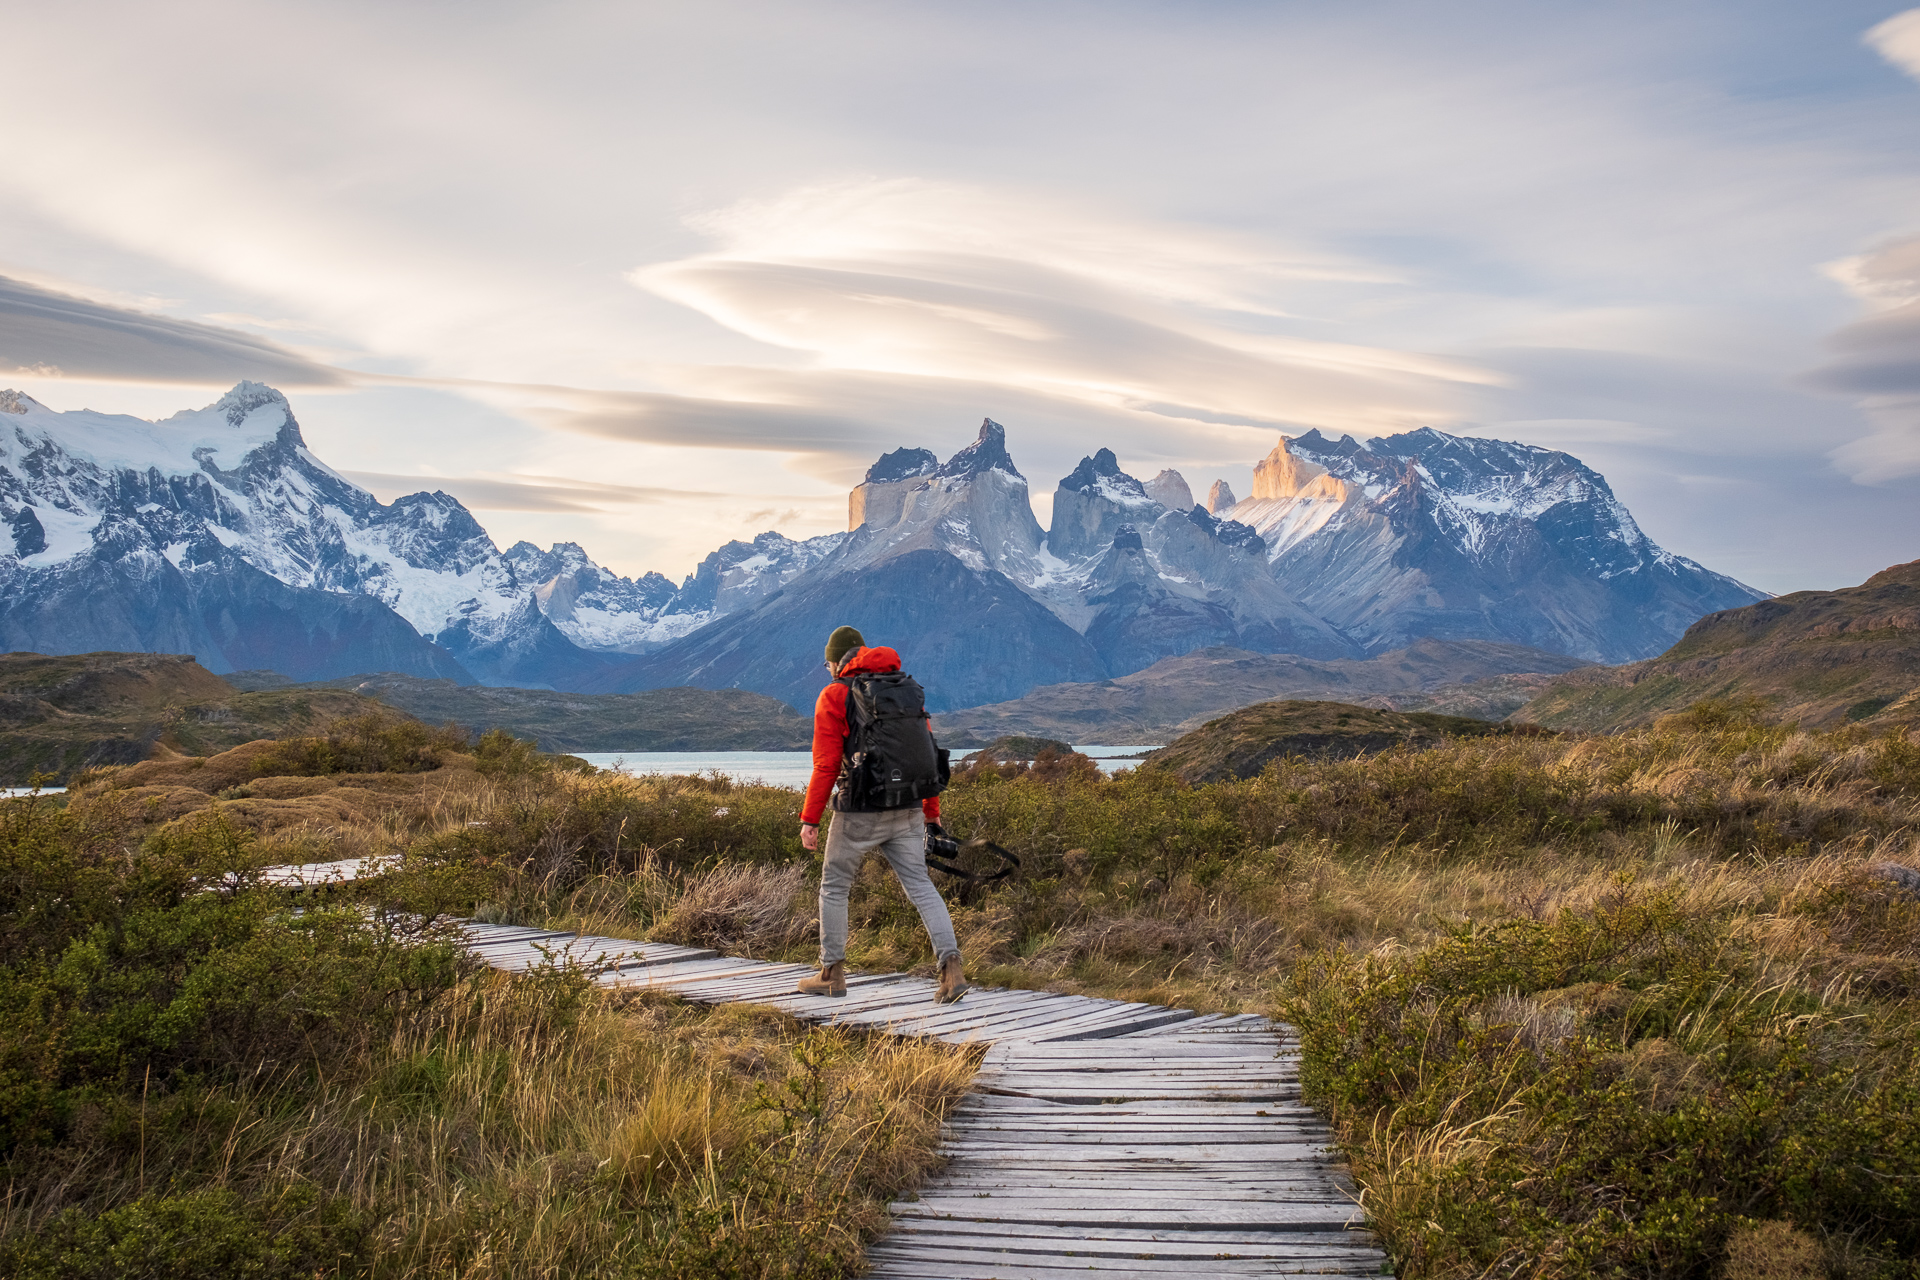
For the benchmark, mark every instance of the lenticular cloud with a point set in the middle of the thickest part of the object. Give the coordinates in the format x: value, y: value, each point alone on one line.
x: 925, y: 280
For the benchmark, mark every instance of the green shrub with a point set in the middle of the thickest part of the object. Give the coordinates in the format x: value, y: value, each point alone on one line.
x: 199, y: 1233
x: 144, y: 971
x: 1612, y: 1092
x: 372, y: 743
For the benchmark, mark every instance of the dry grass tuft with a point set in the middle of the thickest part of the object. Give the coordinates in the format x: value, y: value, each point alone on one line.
x: 742, y: 908
x: 1774, y: 1251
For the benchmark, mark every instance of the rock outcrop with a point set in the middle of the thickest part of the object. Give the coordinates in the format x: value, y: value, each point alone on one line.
x: 881, y: 497
x: 1220, y: 497
x: 1169, y: 489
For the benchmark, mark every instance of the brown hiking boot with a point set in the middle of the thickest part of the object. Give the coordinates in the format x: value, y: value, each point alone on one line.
x: 831, y: 982
x: 953, y: 983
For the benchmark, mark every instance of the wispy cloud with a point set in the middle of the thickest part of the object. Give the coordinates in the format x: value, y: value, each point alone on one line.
x: 527, y: 493
x: 1877, y: 358
x: 56, y: 334
x: 939, y: 280
x: 1898, y: 41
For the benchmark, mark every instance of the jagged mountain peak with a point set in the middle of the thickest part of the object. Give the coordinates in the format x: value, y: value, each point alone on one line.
x: 1101, y: 474
x: 1292, y: 471
x: 12, y: 401
x: 1311, y: 441
x: 1243, y: 537
x: 903, y: 464
x: 988, y: 452
x: 1220, y: 497
x: 245, y: 398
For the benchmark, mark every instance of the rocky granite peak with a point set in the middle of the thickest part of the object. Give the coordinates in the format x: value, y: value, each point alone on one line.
x: 1170, y: 490
x: 1220, y: 497
x: 1101, y: 473
x: 1283, y: 473
x: 880, y: 499
x: 1241, y: 537
x: 904, y: 464
x: 12, y: 401
x: 1092, y: 503
x: 988, y: 452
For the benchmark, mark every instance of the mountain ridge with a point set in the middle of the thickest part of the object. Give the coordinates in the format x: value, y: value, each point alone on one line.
x: 1177, y: 695
x: 1818, y: 658
x: 217, y: 531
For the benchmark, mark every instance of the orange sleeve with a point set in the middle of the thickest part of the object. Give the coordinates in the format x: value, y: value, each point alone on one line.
x: 829, y: 745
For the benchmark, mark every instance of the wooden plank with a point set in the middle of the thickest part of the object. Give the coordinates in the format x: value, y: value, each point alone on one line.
x: 957, y: 1264
x: 1307, y: 1242
x: 1010, y: 1007
x: 1118, y: 1063
x: 1093, y: 1055
x: 1114, y: 1018
x: 1068, y: 1213
x: 676, y: 977
x: 1133, y: 1137
x: 1055, y: 1010
x: 777, y: 980
x: 998, y: 1104
x: 1103, y: 1013
x: 970, y: 1010
x: 1073, y: 1051
x: 1005, y: 1269
x: 874, y: 996
x: 1120, y: 1198
x: 1157, y: 1018
x: 1169, y: 1247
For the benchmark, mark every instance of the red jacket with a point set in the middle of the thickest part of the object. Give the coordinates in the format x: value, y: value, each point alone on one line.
x: 830, y: 735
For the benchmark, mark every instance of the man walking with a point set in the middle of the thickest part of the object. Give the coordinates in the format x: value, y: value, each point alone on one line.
x: 862, y: 824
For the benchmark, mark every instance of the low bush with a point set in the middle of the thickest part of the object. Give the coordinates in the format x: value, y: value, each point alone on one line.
x: 1618, y: 1090
x: 372, y: 743
x: 168, y: 966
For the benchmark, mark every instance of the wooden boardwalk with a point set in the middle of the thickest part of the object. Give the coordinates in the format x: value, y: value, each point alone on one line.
x: 1102, y: 1137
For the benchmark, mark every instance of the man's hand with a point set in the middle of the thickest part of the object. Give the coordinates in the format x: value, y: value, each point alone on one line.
x: 809, y: 836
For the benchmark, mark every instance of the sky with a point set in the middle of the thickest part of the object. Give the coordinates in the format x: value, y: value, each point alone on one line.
x: 649, y: 277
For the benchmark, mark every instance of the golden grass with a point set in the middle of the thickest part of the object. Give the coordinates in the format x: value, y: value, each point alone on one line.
x: 514, y: 1145
x: 502, y: 1134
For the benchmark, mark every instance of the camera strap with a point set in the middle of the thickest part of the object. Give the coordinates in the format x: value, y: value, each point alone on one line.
x: 949, y: 850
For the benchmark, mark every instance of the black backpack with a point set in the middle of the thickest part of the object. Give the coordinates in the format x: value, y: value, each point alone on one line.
x: 891, y: 761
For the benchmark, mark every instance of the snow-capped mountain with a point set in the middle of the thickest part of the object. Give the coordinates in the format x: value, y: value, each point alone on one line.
x: 1430, y: 534
x: 601, y: 611
x: 1342, y: 551
x: 178, y: 534
x: 217, y: 532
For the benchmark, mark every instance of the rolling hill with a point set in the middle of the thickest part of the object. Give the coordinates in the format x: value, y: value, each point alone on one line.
x: 1819, y: 658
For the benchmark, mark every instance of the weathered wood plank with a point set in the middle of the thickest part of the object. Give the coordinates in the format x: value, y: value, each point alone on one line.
x: 1170, y: 1252
x: 1013, y: 1265
x: 1305, y: 1243
x: 1295, y: 1216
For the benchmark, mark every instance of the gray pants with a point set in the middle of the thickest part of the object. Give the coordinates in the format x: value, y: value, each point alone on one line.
x: 900, y: 834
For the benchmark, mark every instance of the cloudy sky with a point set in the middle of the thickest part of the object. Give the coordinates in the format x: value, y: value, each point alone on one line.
x: 651, y: 276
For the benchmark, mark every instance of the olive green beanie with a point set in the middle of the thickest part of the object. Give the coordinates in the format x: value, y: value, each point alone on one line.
x: 842, y: 642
